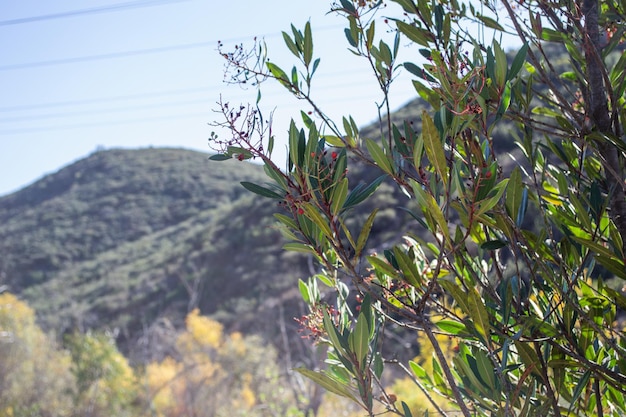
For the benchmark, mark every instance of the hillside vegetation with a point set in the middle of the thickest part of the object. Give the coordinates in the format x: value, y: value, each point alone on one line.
x: 125, y: 237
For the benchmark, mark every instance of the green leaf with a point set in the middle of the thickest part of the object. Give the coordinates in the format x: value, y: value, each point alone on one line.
x: 359, y: 339
x: 491, y: 202
x: 486, y: 370
x: 308, y: 44
x: 582, y: 383
x: 287, y: 221
x: 291, y: 44
x: 492, y: 245
x: 478, y: 313
x: 518, y: 62
x: 304, y: 291
x: 581, y: 212
x: 452, y: 327
x: 463, y: 366
x: 427, y: 94
x: 275, y: 174
x: 361, y: 192
x: 419, y: 372
x: 299, y: 247
x: 459, y: 296
x: 489, y: 22
x: 334, y: 141
x: 329, y: 383
x: 279, y: 74
x: 414, y: 33
x: 407, y: 411
x: 378, y: 365
x: 379, y: 156
x: 595, y: 247
x: 407, y: 5
x: 312, y: 213
x: 430, y: 206
x: 336, y: 340
x: 369, y: 35
x: 382, y: 266
x: 340, y: 193
x: 365, y: 232
x: 407, y: 267
x: 514, y: 193
x: 433, y: 146
x: 528, y: 356
x: 501, y: 65
x: 220, y: 157
x: 257, y: 189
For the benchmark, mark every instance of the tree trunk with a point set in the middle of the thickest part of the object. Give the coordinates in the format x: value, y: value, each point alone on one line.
x: 598, y: 111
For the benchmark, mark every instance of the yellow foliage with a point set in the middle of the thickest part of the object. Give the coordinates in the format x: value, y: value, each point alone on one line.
x: 216, y: 374
x: 33, y: 373
x: 247, y: 394
x: 164, y: 385
x: 237, y: 342
x: 204, y: 331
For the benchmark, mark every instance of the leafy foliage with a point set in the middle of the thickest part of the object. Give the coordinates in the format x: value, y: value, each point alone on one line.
x: 209, y: 373
x: 536, y: 328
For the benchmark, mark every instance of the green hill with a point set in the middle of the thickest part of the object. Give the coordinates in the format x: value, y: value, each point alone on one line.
x: 124, y: 238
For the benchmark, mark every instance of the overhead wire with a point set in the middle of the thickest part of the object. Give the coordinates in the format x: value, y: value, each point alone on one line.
x: 136, y: 52
x: 122, y: 54
x: 92, y: 10
x: 354, y: 80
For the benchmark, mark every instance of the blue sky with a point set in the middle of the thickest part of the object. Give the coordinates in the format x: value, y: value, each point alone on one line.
x: 82, y: 75
x: 77, y: 76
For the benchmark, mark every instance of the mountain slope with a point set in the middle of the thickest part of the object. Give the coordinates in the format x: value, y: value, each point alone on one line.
x: 124, y: 237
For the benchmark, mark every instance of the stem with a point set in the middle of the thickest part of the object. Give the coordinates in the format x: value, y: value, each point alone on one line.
x: 423, y: 389
x: 443, y: 361
x: 596, y: 388
x: 546, y: 380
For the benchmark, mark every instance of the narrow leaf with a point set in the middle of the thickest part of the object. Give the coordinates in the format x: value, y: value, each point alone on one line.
x: 328, y: 383
x: 379, y: 156
x: 478, y: 313
x: 308, y: 44
x: 414, y: 33
x: 257, y: 189
x: 299, y: 247
x: 365, y: 232
x: 340, y: 193
x: 433, y: 146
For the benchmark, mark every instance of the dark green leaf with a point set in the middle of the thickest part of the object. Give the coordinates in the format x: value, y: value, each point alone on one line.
x: 493, y: 245
x: 257, y: 189
x: 220, y: 157
x: 361, y: 192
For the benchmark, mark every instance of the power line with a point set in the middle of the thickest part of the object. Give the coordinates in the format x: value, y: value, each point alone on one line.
x: 106, y: 56
x: 106, y: 99
x: 136, y: 52
x: 166, y: 93
x: 100, y: 111
x: 92, y: 10
x: 98, y: 124
x: 205, y: 115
